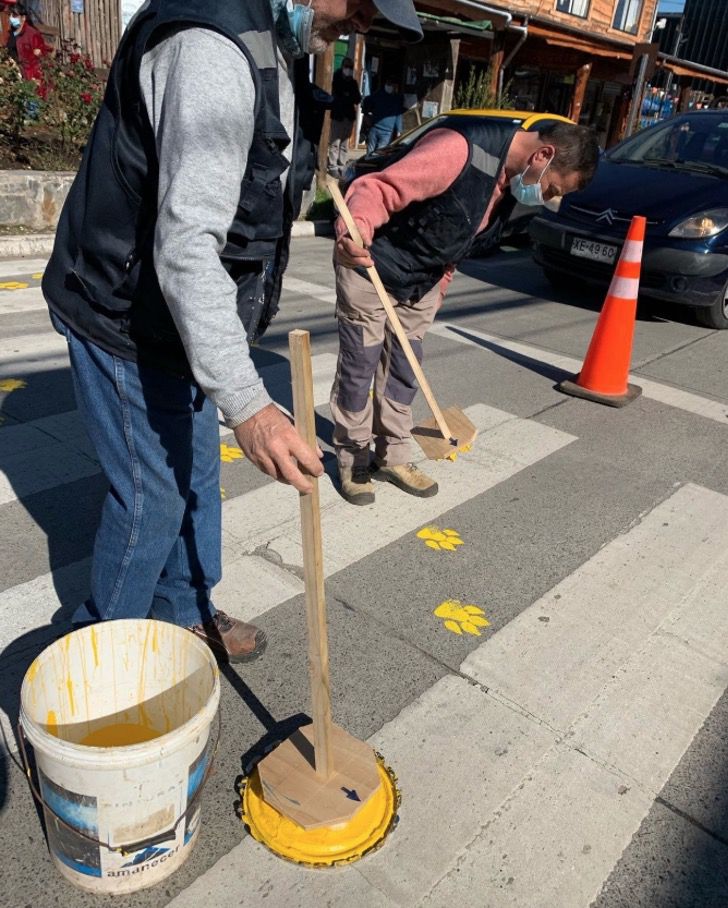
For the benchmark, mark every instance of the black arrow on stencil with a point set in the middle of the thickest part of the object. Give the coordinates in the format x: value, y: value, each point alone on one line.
x: 351, y: 793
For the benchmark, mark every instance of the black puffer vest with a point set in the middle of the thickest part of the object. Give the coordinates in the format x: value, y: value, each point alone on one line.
x: 413, y: 248
x: 101, y: 279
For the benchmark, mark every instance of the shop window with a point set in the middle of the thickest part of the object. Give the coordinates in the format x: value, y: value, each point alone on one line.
x: 627, y: 15
x: 574, y: 7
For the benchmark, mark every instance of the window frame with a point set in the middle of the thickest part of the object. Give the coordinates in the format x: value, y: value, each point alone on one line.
x: 626, y: 6
x: 570, y: 11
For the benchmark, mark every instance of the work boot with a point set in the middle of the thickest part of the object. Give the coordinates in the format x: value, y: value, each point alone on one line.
x: 356, y: 484
x: 231, y: 640
x: 408, y: 477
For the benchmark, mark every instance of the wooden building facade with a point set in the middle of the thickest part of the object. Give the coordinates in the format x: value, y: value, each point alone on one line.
x: 91, y: 27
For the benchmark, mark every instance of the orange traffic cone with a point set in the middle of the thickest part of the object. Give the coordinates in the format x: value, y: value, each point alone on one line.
x: 603, y: 377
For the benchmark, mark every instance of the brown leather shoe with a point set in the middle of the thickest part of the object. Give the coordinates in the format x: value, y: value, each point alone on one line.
x: 231, y: 640
x: 356, y: 484
x: 408, y: 477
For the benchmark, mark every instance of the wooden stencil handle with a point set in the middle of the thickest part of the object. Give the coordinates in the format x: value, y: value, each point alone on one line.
x: 299, y: 343
x: 394, y: 321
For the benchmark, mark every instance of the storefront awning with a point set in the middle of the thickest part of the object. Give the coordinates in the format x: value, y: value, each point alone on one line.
x: 615, y: 51
x: 465, y: 11
x: 451, y: 25
x: 692, y: 70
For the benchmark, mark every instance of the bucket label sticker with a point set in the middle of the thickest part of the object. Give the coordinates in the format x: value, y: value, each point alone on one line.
x: 79, y: 811
x: 196, y: 772
x: 141, y: 861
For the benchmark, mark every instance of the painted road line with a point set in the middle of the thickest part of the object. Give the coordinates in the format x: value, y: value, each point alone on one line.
x: 27, y: 300
x: 533, y: 815
x: 21, y: 269
x: 473, y: 752
x: 18, y: 349
x: 45, y: 453
x: 598, y: 784
x: 595, y: 619
x: 505, y: 446
x: 665, y: 394
x: 303, y: 288
x: 262, y: 526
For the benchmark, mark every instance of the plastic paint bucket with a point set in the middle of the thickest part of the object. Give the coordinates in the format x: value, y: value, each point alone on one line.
x: 125, y: 816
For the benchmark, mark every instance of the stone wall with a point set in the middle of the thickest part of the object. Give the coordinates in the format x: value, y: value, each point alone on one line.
x: 32, y: 198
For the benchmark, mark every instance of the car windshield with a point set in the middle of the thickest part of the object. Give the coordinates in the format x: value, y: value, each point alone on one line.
x: 694, y: 142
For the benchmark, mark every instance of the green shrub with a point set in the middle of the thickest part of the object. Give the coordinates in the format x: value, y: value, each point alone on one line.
x: 476, y: 92
x: 45, y: 125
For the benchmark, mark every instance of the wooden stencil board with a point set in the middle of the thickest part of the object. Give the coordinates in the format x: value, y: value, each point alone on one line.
x: 291, y: 785
x: 435, y: 447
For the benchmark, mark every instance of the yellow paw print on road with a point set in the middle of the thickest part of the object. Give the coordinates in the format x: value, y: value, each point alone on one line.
x: 229, y: 453
x: 12, y: 384
x: 13, y: 285
x: 458, y: 617
x: 223, y: 494
x: 435, y: 538
x: 453, y: 456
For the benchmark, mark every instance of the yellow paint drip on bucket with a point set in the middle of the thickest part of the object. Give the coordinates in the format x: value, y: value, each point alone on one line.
x: 324, y: 846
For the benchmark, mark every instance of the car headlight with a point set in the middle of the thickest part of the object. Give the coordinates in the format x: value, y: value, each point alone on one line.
x: 697, y: 226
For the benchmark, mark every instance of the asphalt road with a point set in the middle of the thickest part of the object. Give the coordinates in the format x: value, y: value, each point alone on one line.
x: 571, y: 752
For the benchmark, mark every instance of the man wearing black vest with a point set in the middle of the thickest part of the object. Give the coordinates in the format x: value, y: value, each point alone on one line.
x: 168, y: 260
x: 418, y: 218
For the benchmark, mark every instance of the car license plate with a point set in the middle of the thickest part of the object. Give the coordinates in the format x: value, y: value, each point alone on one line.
x: 598, y: 252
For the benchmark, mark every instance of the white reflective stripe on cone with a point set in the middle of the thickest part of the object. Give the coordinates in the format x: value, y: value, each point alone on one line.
x: 632, y: 251
x: 624, y: 287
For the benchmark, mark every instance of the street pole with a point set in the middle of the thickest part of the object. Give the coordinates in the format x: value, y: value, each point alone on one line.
x: 678, y: 42
x: 634, y: 108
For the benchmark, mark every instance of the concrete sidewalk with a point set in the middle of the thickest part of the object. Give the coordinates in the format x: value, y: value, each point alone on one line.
x: 20, y: 245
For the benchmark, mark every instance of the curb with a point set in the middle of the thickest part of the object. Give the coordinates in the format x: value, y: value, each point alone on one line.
x: 312, y: 228
x: 21, y: 245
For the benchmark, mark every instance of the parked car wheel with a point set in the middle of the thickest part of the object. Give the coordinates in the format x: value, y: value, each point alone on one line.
x: 715, y: 316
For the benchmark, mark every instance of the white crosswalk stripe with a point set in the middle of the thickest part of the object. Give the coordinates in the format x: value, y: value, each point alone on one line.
x: 44, y: 453
x: 268, y: 519
x: 566, y: 729
x: 13, y: 268
x: 666, y: 394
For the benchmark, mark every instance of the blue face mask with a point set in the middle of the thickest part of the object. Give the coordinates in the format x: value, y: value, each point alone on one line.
x: 14, y: 21
x: 531, y: 193
x: 301, y: 20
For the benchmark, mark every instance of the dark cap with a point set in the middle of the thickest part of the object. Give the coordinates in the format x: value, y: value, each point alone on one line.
x: 402, y: 14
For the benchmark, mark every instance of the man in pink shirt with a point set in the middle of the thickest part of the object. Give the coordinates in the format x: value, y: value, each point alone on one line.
x: 418, y: 218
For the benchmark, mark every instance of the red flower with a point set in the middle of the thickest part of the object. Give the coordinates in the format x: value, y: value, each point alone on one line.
x: 75, y: 58
x: 86, y: 97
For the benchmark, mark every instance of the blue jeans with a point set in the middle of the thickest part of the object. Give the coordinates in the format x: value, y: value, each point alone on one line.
x: 157, y: 552
x: 378, y: 138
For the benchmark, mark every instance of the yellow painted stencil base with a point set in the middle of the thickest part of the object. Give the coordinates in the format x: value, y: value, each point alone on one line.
x: 325, y: 846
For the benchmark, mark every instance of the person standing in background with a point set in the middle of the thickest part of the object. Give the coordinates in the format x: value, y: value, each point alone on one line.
x: 383, y: 115
x: 343, y: 114
x: 26, y: 45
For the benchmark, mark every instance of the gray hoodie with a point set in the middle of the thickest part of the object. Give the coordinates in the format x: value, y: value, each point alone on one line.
x: 199, y: 94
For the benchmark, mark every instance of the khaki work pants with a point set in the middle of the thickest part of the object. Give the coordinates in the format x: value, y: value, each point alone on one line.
x: 339, y: 145
x: 369, y: 350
